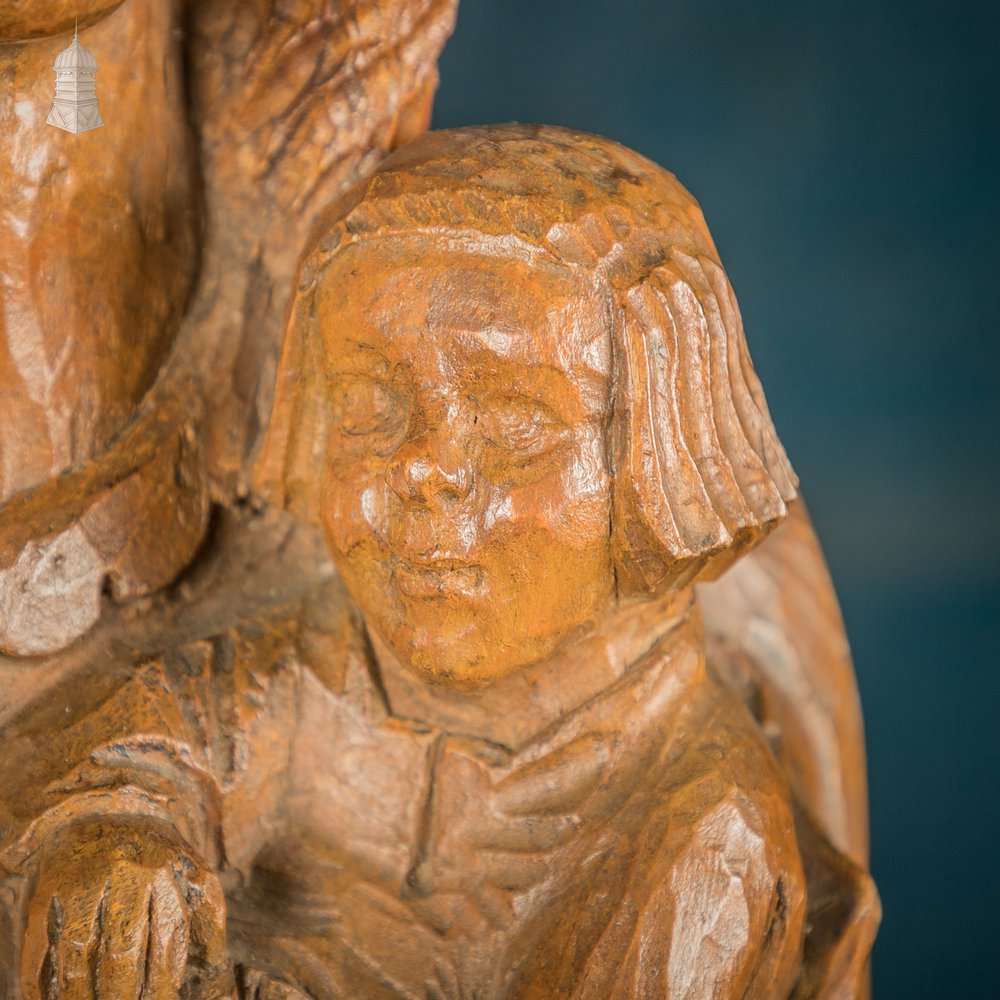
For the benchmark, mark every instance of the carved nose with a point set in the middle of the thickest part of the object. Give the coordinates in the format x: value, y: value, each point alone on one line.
x: 423, y: 470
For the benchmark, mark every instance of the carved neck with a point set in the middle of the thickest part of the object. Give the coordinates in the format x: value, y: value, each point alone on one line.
x: 512, y: 711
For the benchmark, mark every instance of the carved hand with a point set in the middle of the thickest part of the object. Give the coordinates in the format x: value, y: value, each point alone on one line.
x: 124, y: 909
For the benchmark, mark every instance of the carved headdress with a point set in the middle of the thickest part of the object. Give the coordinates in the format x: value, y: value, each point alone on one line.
x: 700, y: 475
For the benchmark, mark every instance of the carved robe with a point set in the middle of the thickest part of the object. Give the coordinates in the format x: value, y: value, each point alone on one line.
x: 640, y: 843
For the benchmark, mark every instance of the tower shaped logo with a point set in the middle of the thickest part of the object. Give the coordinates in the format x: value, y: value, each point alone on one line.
x: 75, y: 104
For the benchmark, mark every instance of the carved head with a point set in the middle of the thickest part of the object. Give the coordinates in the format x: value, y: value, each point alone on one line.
x: 514, y: 390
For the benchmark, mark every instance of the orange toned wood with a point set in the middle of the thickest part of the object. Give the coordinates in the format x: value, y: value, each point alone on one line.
x: 140, y: 375
x: 34, y: 19
x: 98, y: 240
x: 475, y: 643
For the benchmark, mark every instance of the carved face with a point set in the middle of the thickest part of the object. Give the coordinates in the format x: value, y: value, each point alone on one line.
x: 466, y: 495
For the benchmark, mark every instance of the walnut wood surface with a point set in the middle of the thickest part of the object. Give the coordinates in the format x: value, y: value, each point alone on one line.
x: 430, y: 611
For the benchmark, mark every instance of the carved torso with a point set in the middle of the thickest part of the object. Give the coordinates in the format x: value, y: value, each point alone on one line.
x: 354, y: 840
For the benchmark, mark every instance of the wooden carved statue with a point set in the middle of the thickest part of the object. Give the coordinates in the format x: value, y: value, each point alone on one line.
x: 490, y: 653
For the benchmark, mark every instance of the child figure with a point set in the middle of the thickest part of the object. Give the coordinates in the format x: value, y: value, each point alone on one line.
x: 490, y: 760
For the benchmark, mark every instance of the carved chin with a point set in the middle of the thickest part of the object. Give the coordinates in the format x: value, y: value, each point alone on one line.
x: 442, y: 649
x: 469, y: 623
x: 460, y: 648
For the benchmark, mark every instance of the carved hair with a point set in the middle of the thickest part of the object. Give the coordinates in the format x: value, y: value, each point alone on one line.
x: 700, y: 475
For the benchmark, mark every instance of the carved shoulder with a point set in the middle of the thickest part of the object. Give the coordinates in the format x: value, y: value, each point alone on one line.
x: 707, y: 899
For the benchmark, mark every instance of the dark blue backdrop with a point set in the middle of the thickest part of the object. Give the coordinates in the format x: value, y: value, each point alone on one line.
x: 847, y: 158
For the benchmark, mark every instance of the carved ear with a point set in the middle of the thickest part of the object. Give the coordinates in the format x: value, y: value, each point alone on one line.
x: 288, y: 470
x: 700, y: 475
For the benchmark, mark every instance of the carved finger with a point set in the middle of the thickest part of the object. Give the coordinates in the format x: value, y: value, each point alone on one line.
x: 167, y: 941
x: 121, y: 947
x: 75, y: 940
x: 207, y: 950
x: 39, y: 954
x: 59, y: 953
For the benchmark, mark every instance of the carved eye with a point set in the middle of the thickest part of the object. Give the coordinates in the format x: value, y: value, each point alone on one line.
x: 523, y: 429
x: 366, y: 406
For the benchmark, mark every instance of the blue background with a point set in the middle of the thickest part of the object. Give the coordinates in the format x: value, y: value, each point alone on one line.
x: 847, y: 157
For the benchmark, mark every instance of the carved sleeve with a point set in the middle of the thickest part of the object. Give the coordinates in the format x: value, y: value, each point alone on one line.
x: 701, y: 893
x: 186, y: 740
x: 718, y: 912
x: 133, y: 754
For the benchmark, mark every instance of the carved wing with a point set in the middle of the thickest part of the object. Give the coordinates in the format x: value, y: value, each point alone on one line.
x: 776, y: 635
